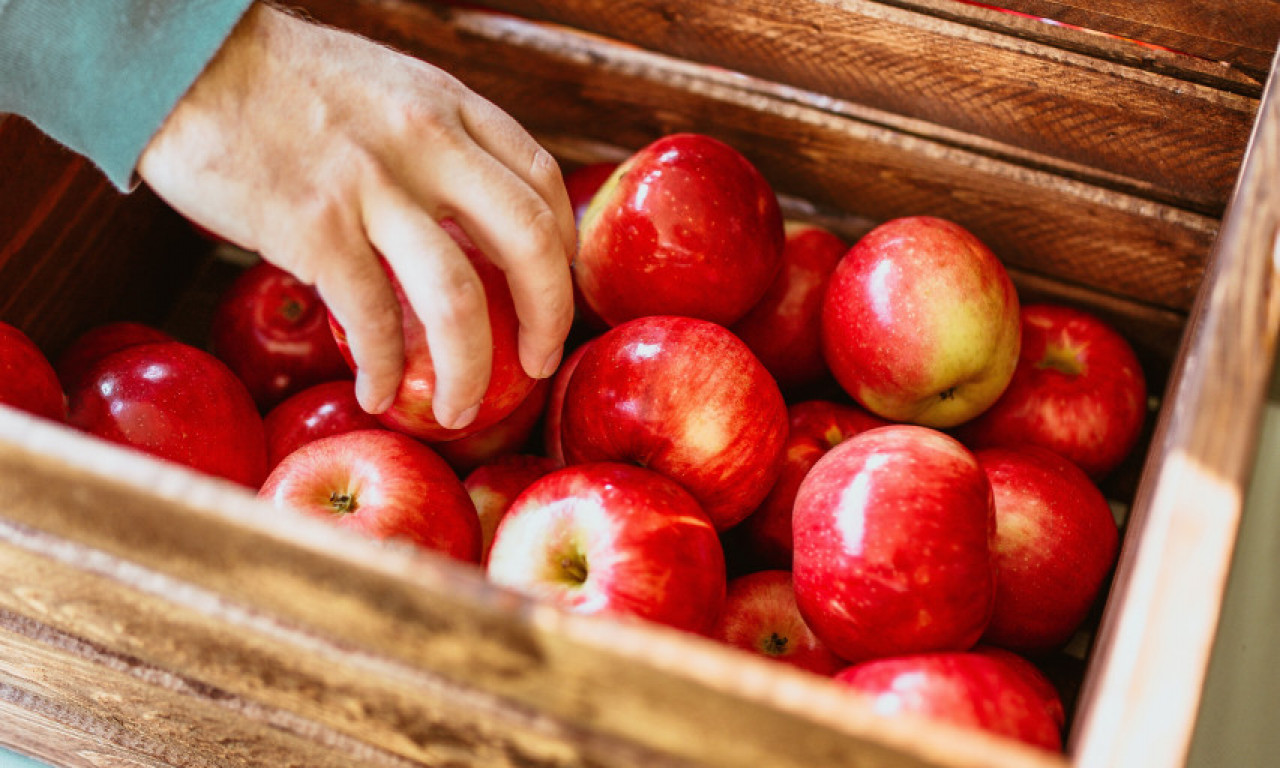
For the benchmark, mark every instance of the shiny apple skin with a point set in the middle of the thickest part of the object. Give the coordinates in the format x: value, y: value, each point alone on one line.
x: 551, y: 426
x: 176, y: 402
x: 760, y: 616
x: 685, y: 226
x: 494, y: 486
x: 1033, y: 676
x: 644, y: 546
x: 814, y: 427
x: 583, y: 182
x: 508, y: 435
x: 411, y: 410
x: 962, y: 688
x: 392, y: 486
x: 1056, y: 543
x: 321, y: 410
x: 272, y: 330
x: 98, y: 341
x: 686, y: 398
x: 1093, y: 415
x: 894, y: 545
x: 920, y: 323
x: 28, y: 380
x: 784, y: 328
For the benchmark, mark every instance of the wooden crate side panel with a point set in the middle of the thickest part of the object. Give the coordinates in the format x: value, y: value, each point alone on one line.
x: 1084, y: 115
x: 182, y: 679
x: 74, y: 251
x: 279, y: 585
x: 1036, y: 221
x: 72, y: 705
x: 1241, y: 33
x: 1154, y: 641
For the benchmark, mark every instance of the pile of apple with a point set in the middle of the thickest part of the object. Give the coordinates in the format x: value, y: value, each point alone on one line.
x: 870, y: 462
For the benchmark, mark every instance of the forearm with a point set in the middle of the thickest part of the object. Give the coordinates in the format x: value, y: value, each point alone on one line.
x: 102, y: 76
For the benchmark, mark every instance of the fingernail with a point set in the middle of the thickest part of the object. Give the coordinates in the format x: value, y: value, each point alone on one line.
x: 462, y: 419
x: 552, y: 363
x: 365, y: 396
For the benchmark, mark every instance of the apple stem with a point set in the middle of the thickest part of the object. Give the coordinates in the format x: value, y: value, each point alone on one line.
x: 775, y: 645
x: 342, y: 503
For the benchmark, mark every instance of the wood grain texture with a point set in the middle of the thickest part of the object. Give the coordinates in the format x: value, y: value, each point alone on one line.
x: 263, y: 628
x: 1157, y: 632
x: 1241, y: 33
x: 73, y: 250
x: 835, y: 153
x: 1080, y: 114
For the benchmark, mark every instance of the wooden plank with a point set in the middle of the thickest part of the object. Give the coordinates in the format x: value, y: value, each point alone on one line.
x: 294, y: 621
x: 1241, y: 33
x: 835, y: 153
x: 127, y: 670
x: 75, y: 252
x: 1099, y: 43
x: 87, y: 705
x: 1178, y: 141
x: 1141, y: 693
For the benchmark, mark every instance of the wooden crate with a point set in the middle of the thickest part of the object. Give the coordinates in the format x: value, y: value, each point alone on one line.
x: 151, y: 616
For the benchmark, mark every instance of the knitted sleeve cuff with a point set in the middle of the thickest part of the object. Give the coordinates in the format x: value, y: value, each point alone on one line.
x: 101, y: 77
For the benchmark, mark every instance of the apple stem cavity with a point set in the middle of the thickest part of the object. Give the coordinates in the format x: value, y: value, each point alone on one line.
x: 775, y: 645
x: 947, y: 393
x: 573, y: 567
x: 343, y: 503
x: 1062, y: 359
x: 291, y: 310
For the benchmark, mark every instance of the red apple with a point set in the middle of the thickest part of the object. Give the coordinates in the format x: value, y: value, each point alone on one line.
x: 920, y: 323
x: 273, y: 331
x: 894, y: 545
x: 685, y: 226
x: 382, y: 485
x: 411, y: 411
x: 318, y: 411
x: 1078, y: 390
x: 99, y: 341
x: 551, y: 442
x: 815, y: 427
x: 1056, y: 542
x: 176, y: 402
x: 785, y: 328
x: 1033, y: 676
x: 961, y: 688
x: 508, y: 435
x: 612, y: 539
x: 685, y: 398
x: 494, y: 485
x: 760, y: 615
x: 28, y: 380
x: 583, y: 182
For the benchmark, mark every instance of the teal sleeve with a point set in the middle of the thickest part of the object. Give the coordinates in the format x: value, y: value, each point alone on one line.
x: 100, y: 76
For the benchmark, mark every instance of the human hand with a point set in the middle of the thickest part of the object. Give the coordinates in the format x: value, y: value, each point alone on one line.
x: 319, y: 150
